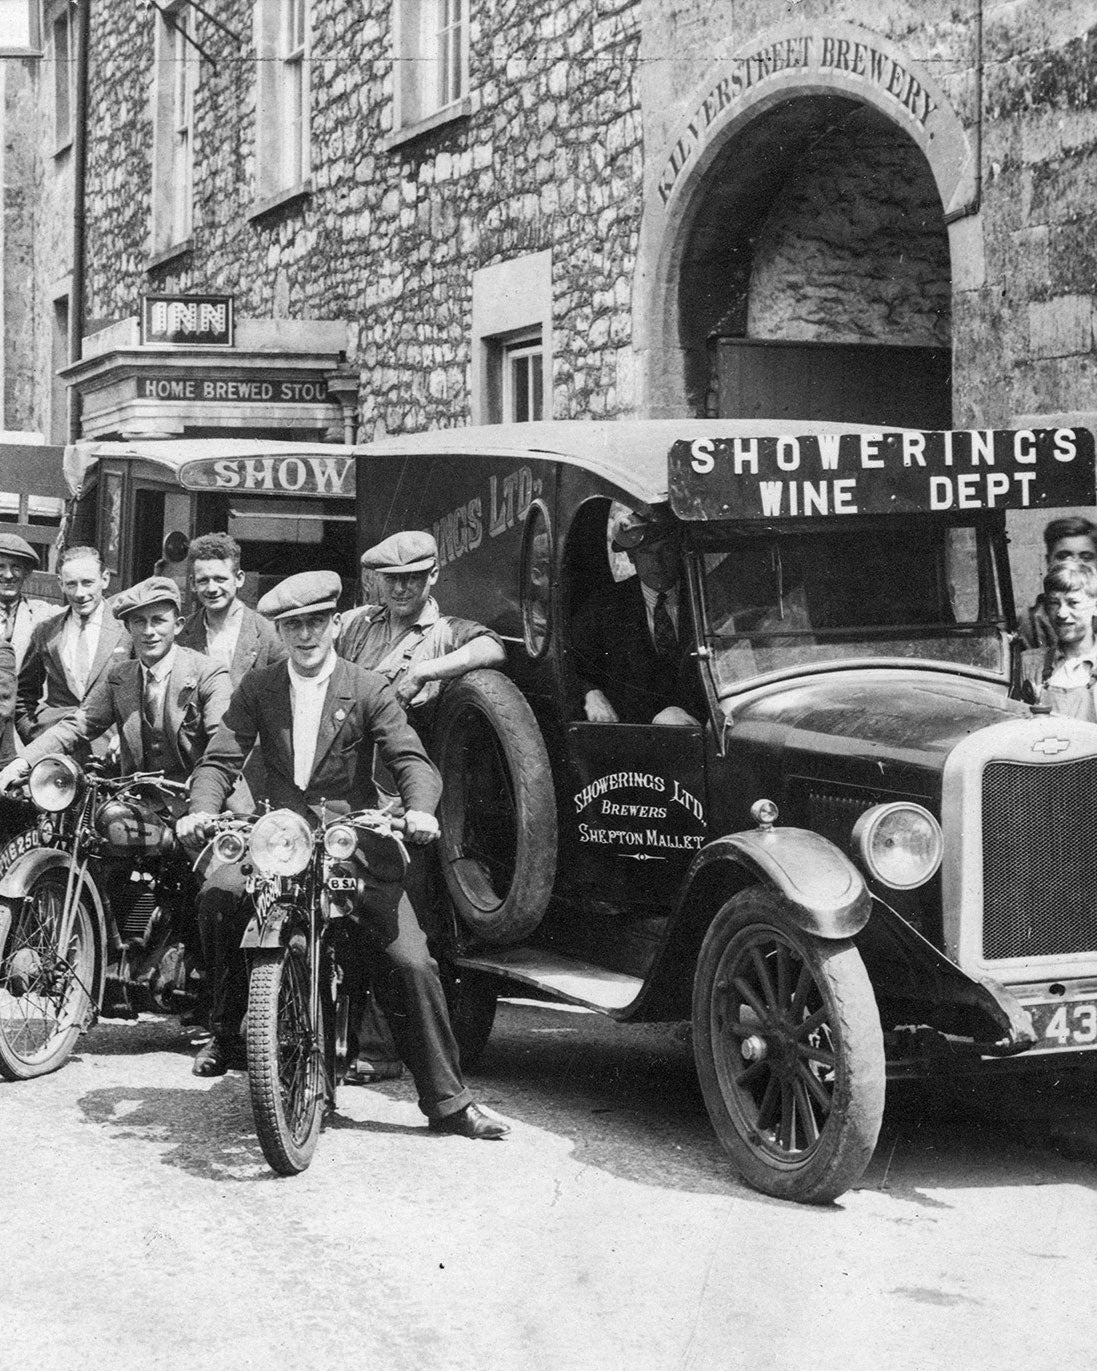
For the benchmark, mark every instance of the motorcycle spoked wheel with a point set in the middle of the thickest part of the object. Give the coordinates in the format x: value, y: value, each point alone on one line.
x: 45, y: 990
x: 285, y: 1063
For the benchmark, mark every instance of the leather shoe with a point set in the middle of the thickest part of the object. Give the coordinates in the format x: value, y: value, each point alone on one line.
x: 213, y: 1059
x: 470, y: 1122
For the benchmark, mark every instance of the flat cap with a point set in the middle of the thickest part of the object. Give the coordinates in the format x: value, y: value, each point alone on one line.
x: 154, y: 590
x: 309, y: 592
x: 11, y: 545
x: 638, y: 529
x: 402, y: 554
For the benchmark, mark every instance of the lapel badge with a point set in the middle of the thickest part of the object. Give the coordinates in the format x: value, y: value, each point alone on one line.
x: 340, y: 715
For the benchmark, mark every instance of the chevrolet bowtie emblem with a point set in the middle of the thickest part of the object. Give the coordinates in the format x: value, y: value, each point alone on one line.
x: 1050, y: 746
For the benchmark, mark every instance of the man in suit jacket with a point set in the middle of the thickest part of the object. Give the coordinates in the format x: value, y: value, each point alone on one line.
x: 19, y: 613
x: 70, y: 653
x: 166, y: 702
x: 319, y: 719
x: 223, y: 627
x: 631, y: 639
x: 7, y: 703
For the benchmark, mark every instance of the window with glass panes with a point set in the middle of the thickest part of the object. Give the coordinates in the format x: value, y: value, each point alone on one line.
x: 523, y: 382
x: 295, y: 90
x: 62, y: 78
x: 449, y: 41
x: 184, y: 74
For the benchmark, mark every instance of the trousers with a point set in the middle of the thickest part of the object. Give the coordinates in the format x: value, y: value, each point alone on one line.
x: 388, y: 945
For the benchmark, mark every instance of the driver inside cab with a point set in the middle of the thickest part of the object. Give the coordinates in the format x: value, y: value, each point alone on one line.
x: 633, y: 639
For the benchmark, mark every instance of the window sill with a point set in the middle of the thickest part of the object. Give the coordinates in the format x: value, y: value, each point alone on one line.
x: 460, y: 109
x: 169, y: 254
x: 281, y: 199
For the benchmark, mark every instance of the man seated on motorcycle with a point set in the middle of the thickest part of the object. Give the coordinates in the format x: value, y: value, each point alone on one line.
x: 319, y: 719
x: 165, y: 701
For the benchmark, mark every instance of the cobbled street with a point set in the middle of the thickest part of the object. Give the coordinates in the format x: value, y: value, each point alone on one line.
x: 142, y: 1227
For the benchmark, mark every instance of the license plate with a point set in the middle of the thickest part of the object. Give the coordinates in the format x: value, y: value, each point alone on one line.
x: 1064, y: 1024
x: 342, y: 883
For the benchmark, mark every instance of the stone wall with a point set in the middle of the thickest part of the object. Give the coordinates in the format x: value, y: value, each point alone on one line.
x: 17, y: 187
x: 550, y: 157
x: 855, y: 249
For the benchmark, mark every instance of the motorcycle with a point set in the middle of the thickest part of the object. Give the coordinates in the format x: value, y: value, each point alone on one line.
x: 305, y: 886
x: 96, y: 912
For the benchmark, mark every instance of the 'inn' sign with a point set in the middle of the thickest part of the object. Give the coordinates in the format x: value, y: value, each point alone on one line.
x: 203, y: 321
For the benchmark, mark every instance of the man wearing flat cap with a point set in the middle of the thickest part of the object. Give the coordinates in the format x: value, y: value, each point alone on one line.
x: 408, y: 639
x: 19, y: 613
x: 165, y: 701
x: 319, y: 719
x: 631, y: 638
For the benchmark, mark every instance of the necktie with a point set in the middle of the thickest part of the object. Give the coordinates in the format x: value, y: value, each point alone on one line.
x: 663, y: 634
x: 7, y: 621
x: 81, y: 657
x: 150, y: 701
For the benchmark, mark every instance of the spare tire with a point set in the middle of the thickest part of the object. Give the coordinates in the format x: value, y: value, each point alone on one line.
x: 498, y: 807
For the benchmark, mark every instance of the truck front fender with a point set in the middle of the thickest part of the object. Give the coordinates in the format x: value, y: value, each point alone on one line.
x: 826, y: 893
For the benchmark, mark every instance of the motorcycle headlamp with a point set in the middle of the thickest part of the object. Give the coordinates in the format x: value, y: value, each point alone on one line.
x: 900, y: 844
x: 280, y: 843
x: 54, y: 783
x: 230, y: 846
x: 340, y: 842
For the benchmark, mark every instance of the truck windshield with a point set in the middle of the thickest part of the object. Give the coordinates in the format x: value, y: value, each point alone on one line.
x: 774, y: 603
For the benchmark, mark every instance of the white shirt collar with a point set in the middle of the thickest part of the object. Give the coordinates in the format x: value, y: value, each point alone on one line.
x: 160, y: 670
x: 94, y: 619
x: 300, y: 682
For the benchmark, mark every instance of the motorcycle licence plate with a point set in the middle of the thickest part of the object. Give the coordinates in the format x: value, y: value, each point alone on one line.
x: 1063, y: 1025
x: 345, y: 883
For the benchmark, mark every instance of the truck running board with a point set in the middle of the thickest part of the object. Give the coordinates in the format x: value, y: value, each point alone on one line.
x: 565, y: 978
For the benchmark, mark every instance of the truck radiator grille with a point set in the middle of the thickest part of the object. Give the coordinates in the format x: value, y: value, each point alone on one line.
x: 833, y: 814
x: 1039, y: 873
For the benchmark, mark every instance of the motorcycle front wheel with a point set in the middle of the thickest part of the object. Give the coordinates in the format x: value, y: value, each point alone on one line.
x: 285, y: 1066
x: 45, y: 989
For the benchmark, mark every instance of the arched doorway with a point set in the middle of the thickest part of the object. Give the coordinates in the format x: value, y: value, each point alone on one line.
x: 815, y: 277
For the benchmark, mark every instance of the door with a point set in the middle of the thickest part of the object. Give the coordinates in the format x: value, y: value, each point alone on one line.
x: 635, y: 815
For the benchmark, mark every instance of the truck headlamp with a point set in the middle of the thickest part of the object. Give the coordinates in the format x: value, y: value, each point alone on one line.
x: 900, y: 844
x: 280, y: 844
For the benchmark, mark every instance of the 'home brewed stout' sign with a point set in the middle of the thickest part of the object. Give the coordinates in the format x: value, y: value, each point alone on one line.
x: 899, y: 472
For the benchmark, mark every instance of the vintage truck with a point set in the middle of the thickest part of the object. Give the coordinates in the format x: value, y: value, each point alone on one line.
x: 866, y: 857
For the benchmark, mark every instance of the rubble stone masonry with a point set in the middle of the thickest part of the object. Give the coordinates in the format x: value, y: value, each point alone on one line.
x: 572, y: 103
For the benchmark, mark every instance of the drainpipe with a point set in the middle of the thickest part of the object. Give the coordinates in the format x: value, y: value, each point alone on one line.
x: 974, y: 204
x: 79, y: 215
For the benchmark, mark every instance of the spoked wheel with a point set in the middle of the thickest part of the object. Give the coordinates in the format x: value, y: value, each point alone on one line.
x: 789, y: 1051
x: 45, y: 990
x: 285, y: 1068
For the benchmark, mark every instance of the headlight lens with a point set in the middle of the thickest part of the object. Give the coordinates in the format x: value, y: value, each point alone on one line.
x: 54, y: 783
x: 281, y: 843
x: 230, y: 846
x: 340, y: 841
x: 900, y: 844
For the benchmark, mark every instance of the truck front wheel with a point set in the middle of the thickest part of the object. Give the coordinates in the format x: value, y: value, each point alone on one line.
x: 789, y: 1050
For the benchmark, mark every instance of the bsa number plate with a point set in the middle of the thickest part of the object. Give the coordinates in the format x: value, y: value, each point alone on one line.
x: 1064, y: 1024
x: 342, y: 883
